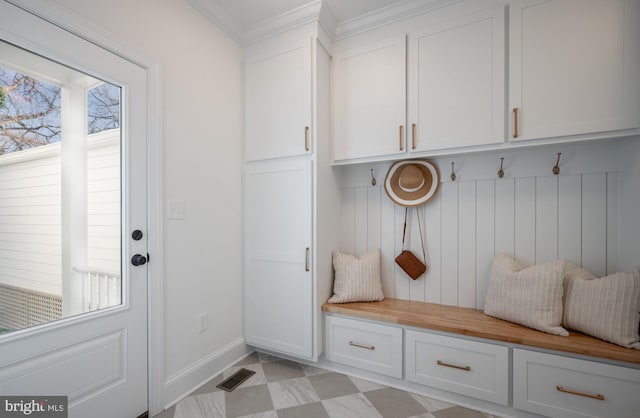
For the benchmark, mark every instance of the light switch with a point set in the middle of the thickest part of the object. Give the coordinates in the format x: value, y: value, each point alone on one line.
x: 176, y: 209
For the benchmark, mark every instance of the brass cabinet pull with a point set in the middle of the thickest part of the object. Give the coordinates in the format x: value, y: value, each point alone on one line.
x: 516, y: 130
x: 306, y: 259
x: 306, y: 138
x: 453, y: 366
x: 413, y: 136
x: 400, y: 138
x: 574, y: 392
x: 368, y: 347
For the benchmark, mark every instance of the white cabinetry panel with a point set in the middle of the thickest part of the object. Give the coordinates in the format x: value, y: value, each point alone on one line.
x: 369, y: 105
x: 574, y: 66
x: 456, y: 82
x: 471, y: 368
x: 278, y: 280
x: 277, y: 82
x: 570, y: 388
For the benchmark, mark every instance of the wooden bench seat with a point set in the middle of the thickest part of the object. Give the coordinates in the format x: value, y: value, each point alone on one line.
x: 473, y: 322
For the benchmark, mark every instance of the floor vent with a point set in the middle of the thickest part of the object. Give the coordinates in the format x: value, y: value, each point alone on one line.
x: 235, y: 380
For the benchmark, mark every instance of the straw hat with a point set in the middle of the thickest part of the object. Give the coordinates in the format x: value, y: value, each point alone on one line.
x: 412, y: 182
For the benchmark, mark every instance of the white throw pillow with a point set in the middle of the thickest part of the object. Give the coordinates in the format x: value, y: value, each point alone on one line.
x: 530, y: 296
x: 357, y: 279
x: 605, y: 307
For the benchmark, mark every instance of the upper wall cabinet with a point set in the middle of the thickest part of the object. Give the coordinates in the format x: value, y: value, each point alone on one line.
x: 574, y: 67
x: 277, y: 80
x: 369, y: 101
x: 456, y: 83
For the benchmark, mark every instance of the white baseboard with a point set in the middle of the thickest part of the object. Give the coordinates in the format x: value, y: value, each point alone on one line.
x: 182, y: 383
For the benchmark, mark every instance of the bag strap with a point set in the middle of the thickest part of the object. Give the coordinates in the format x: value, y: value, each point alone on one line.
x: 404, y: 232
x: 424, y: 253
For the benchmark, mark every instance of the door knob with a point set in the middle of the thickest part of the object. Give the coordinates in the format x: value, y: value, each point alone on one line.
x: 138, y: 260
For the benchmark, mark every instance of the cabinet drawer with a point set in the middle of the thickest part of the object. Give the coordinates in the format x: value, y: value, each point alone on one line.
x: 469, y: 368
x: 561, y: 387
x: 369, y: 346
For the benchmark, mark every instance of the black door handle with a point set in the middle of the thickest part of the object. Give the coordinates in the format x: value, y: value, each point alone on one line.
x: 138, y: 260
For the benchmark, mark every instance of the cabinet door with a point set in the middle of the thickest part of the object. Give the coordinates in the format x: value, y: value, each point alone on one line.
x: 574, y: 67
x: 369, y: 93
x: 456, y: 83
x: 278, y: 101
x: 278, y: 281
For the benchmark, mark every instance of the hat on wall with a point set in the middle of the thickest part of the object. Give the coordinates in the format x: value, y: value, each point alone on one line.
x: 412, y: 182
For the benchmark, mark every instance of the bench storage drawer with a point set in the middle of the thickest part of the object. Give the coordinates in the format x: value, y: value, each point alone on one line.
x: 470, y: 368
x: 368, y: 346
x: 561, y: 387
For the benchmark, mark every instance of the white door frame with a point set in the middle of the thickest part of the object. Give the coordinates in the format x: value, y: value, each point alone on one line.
x: 85, y: 29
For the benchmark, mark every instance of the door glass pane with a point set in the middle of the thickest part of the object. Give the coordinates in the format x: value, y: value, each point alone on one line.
x: 60, y: 219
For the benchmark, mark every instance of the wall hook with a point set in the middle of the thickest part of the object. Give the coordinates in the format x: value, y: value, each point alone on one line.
x: 501, y: 171
x: 373, y: 178
x: 556, y: 168
x: 453, y: 171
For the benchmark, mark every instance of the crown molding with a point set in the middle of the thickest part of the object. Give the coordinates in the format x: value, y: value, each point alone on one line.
x: 386, y: 15
x: 317, y: 11
x: 294, y: 18
x: 219, y: 17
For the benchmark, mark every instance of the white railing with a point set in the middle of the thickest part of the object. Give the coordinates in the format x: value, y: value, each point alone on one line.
x: 99, y: 289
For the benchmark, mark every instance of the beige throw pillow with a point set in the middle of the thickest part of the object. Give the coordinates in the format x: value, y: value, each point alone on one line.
x: 529, y: 296
x: 357, y: 279
x: 606, y: 307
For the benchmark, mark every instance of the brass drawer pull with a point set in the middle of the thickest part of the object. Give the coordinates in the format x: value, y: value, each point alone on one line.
x: 516, y: 128
x: 401, y: 137
x: 368, y: 347
x: 574, y: 392
x: 413, y: 136
x: 306, y: 138
x: 453, y: 366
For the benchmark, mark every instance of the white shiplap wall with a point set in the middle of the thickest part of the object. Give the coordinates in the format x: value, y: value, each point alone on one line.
x: 529, y: 213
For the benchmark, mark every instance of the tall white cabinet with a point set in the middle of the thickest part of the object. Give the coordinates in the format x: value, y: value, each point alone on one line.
x: 278, y: 285
x: 290, y: 193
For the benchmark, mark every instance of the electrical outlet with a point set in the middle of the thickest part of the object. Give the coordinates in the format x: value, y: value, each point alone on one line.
x: 176, y: 209
x: 203, y: 322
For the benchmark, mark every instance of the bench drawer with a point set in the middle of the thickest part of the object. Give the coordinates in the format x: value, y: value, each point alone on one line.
x: 561, y: 387
x: 466, y: 367
x: 368, y: 346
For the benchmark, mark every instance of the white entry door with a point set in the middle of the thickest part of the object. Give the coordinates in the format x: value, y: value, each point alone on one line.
x: 92, y: 345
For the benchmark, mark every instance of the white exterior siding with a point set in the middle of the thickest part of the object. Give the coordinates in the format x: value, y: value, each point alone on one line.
x: 30, y: 213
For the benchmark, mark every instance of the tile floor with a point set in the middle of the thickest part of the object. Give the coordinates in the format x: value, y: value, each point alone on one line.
x: 285, y: 389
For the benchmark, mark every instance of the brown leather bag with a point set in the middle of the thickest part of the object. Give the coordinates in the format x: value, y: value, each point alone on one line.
x: 407, y: 260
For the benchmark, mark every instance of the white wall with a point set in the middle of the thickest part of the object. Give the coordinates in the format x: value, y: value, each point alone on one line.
x: 530, y: 213
x: 201, y: 116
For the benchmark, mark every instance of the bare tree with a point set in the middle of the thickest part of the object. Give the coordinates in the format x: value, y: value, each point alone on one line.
x: 104, y: 108
x: 29, y: 112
